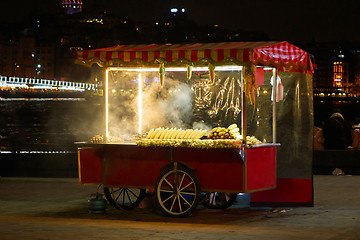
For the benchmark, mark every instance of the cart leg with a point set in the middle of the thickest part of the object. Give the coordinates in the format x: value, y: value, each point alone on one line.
x: 177, y: 192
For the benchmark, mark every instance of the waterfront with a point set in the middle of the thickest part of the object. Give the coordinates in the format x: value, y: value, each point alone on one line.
x: 324, y: 108
x: 48, y: 120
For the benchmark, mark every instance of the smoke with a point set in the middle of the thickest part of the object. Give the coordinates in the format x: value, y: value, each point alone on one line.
x: 177, y: 107
x: 201, y: 125
x: 169, y: 106
x: 179, y: 103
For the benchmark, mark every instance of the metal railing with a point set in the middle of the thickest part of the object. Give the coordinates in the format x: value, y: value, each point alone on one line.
x: 45, y: 84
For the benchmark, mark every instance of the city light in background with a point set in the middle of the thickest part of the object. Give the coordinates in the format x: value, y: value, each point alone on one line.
x: 42, y: 47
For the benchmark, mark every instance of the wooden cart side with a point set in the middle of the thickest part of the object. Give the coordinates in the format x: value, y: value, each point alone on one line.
x: 133, y: 166
x: 217, y: 169
x: 260, y: 170
x: 90, y: 165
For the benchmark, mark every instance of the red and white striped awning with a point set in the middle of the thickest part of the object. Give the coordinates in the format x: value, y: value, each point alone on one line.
x: 276, y: 54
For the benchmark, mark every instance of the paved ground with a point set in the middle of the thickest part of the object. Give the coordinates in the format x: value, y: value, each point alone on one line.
x: 36, y: 208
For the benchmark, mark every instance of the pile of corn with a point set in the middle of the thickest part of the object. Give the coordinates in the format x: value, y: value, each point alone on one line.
x: 97, y: 139
x: 232, y: 132
x: 174, y: 133
x: 190, y: 143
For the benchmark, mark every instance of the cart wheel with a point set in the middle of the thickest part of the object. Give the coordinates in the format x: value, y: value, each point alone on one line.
x: 177, y: 193
x: 124, y: 198
x: 218, y: 200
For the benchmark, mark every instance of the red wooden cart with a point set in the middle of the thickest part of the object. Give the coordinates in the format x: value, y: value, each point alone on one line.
x: 180, y: 176
x: 292, y: 64
x: 183, y: 177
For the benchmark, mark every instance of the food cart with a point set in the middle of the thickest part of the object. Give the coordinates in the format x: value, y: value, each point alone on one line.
x: 186, y: 86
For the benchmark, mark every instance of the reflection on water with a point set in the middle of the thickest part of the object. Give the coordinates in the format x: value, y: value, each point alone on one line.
x: 40, y: 99
x: 324, y: 109
x: 37, y: 152
x: 25, y: 121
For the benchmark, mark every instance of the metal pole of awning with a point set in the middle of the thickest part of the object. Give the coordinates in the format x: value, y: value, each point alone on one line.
x: 274, y: 105
x: 243, y: 107
x: 106, y: 104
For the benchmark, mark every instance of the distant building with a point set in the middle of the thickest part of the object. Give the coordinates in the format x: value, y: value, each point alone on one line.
x: 6, y: 54
x: 45, y: 61
x: 96, y: 30
x: 18, y: 57
x: 24, y: 58
x: 337, y: 73
x: 337, y: 65
x: 341, y: 75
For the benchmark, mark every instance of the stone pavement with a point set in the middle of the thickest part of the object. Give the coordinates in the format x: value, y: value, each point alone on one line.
x: 47, y: 208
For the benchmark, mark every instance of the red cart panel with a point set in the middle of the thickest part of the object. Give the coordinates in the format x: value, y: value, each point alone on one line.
x: 260, y: 168
x: 128, y: 165
x: 216, y: 169
x: 133, y: 166
x: 90, y: 165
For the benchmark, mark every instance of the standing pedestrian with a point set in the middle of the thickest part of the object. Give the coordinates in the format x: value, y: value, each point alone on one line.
x: 337, y: 132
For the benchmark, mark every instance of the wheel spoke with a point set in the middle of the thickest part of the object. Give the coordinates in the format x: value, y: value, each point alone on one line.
x: 172, y: 205
x: 178, y: 198
x: 128, y: 196
x: 212, y: 198
x: 167, y: 191
x: 223, y: 199
x: 169, y: 183
x: 181, y: 181
x: 191, y: 183
x: 121, y: 191
x: 185, y: 200
x: 188, y: 193
x: 172, y: 195
x: 130, y: 191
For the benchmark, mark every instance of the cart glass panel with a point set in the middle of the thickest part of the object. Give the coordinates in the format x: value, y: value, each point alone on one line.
x: 141, y: 99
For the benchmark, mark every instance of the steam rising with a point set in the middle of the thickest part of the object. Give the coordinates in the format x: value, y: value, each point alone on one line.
x: 169, y: 106
x: 180, y: 103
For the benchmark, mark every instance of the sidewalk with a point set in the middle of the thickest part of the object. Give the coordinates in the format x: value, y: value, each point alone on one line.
x: 46, y: 208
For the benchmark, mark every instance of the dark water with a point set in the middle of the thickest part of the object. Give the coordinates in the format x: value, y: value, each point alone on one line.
x: 48, y: 120
x: 25, y: 121
x: 324, y: 109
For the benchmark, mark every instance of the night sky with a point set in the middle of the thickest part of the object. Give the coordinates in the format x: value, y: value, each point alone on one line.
x: 294, y: 20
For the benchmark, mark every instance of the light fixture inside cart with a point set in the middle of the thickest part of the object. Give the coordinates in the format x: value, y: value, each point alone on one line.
x: 135, y: 101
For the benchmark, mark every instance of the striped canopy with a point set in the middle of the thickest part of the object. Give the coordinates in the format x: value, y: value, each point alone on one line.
x: 275, y: 54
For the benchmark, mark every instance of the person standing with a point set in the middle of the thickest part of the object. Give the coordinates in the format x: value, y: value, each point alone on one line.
x: 337, y: 132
